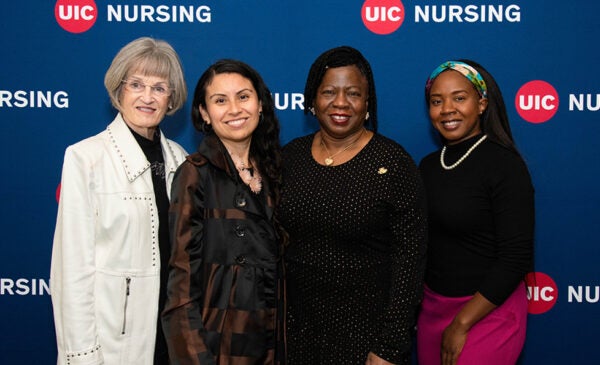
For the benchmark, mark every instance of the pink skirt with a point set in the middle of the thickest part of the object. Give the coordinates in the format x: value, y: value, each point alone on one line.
x: 497, y: 339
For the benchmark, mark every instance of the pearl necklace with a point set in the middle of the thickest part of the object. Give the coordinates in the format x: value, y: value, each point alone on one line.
x: 253, y: 180
x: 329, y: 159
x: 463, y: 157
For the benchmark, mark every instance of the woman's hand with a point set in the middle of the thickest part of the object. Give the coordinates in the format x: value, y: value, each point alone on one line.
x: 455, y: 335
x: 373, y: 359
x: 453, y: 341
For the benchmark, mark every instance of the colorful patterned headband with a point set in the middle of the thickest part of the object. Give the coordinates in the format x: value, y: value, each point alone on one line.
x: 466, y: 70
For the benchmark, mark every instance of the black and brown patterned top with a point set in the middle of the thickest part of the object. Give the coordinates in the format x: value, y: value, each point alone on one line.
x: 223, y: 283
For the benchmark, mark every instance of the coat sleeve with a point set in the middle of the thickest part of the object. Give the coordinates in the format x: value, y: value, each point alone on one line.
x: 408, y: 223
x: 72, y: 267
x: 182, y: 317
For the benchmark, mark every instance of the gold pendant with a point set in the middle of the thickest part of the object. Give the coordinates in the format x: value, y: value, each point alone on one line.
x: 328, y: 161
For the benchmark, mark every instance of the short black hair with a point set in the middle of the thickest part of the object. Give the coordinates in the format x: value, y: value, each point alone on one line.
x: 340, y: 57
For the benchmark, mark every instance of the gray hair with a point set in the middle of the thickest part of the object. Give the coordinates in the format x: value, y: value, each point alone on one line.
x: 150, y: 57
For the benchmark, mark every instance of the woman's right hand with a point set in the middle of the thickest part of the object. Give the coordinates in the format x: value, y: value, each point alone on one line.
x: 453, y: 341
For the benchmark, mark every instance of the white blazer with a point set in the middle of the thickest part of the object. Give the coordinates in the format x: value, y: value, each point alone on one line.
x: 104, y: 277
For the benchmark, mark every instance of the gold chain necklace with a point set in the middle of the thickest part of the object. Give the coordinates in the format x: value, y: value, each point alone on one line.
x: 329, y: 159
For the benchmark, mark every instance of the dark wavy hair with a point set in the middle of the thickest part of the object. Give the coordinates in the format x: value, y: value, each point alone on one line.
x: 494, y: 120
x: 340, y: 57
x: 265, y: 148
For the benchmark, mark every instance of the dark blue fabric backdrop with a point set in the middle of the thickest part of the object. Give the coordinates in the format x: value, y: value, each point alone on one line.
x: 55, y: 54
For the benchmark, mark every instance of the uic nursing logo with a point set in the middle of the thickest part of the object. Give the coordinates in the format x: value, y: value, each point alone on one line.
x: 382, y: 16
x: 536, y: 101
x: 542, y: 292
x: 76, y: 16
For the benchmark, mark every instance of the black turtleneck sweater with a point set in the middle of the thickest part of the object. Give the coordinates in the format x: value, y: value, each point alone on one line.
x: 153, y: 152
x: 481, y: 221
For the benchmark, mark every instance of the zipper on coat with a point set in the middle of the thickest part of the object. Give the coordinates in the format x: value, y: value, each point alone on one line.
x: 127, y: 282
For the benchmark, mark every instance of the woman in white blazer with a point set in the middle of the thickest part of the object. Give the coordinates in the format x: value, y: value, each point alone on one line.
x: 111, y: 243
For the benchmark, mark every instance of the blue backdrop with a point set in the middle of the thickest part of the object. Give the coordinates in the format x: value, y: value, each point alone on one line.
x: 55, y: 54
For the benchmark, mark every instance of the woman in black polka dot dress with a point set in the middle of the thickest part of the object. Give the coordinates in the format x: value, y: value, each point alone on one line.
x: 353, y: 206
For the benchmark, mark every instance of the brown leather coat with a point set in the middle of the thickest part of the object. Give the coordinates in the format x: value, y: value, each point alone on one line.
x: 223, y: 281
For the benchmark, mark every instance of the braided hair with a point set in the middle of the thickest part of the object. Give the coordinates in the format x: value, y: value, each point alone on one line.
x: 340, y: 57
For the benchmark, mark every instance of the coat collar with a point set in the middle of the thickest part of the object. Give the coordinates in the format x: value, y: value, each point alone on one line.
x: 215, y: 152
x: 130, y: 153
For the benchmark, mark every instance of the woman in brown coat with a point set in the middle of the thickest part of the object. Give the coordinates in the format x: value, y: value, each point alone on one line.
x: 224, y: 278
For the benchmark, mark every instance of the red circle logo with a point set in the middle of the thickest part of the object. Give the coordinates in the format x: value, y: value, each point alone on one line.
x: 382, y: 16
x: 75, y: 16
x: 58, y: 193
x: 536, y: 101
x: 542, y: 292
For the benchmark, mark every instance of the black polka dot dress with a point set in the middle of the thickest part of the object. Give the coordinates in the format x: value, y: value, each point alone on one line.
x: 356, y: 253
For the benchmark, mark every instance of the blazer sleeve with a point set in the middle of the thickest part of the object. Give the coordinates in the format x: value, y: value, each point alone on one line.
x: 72, y: 267
x: 182, y: 317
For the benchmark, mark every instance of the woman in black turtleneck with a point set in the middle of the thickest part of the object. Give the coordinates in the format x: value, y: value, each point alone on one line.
x: 481, y: 223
